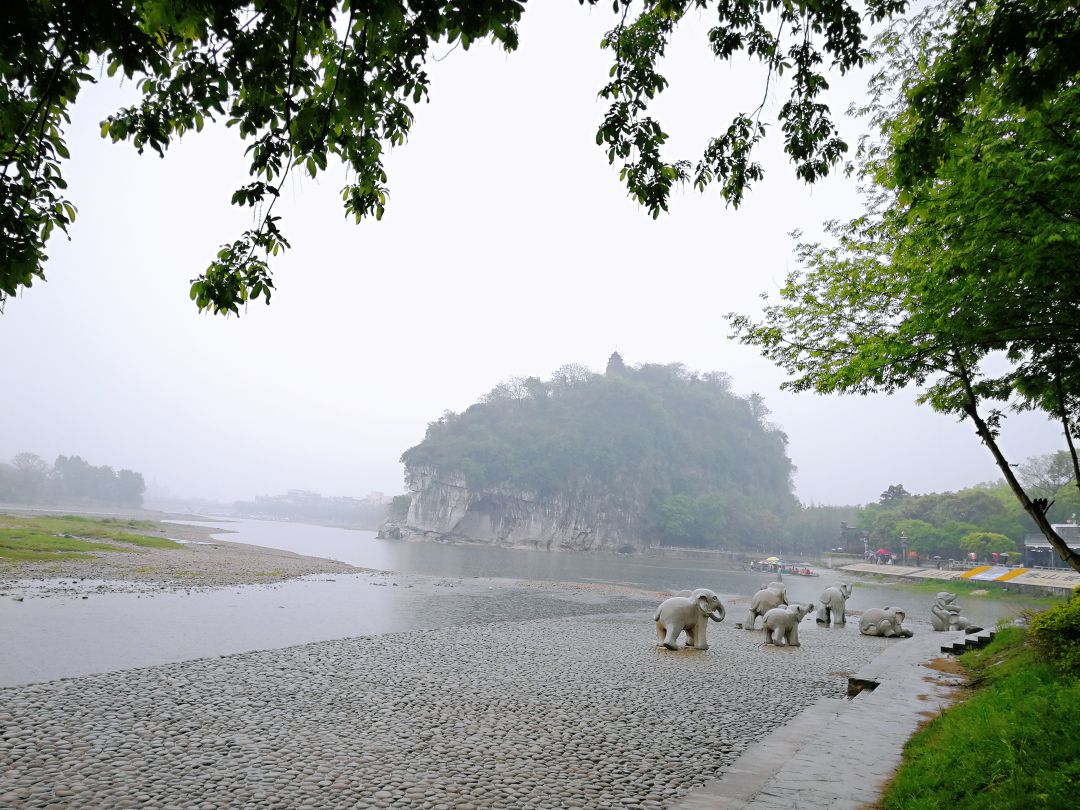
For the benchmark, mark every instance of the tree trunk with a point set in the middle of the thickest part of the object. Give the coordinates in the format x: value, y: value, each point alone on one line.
x: 1056, y: 541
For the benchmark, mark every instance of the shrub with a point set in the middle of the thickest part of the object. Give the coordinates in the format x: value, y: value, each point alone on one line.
x: 399, y: 506
x: 1056, y: 634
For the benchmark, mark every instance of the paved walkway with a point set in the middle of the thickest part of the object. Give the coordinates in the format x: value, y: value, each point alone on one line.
x: 839, y: 754
x: 1040, y: 580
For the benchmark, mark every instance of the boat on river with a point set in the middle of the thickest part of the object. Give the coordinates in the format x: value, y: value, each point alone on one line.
x: 773, y: 565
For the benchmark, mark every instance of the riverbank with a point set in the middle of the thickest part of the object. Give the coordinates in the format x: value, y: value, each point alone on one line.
x: 1037, y: 582
x: 579, y: 711
x: 964, y: 589
x: 46, y: 555
x: 1012, y: 743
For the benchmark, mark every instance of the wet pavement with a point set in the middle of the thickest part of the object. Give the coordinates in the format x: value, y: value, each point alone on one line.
x: 840, y: 753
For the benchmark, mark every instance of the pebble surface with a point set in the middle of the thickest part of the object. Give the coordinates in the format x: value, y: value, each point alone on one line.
x: 578, y: 711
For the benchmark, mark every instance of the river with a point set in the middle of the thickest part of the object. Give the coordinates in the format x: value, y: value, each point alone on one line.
x: 364, y: 549
x: 433, y: 586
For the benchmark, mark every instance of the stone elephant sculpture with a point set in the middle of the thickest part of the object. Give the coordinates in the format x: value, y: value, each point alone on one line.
x: 771, y: 596
x: 690, y: 615
x: 782, y: 624
x: 833, y: 603
x: 945, y: 614
x: 885, y: 622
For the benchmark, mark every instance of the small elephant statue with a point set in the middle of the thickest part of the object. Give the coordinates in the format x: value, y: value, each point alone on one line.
x: 689, y: 614
x: 833, y: 602
x: 772, y: 595
x: 782, y: 623
x: 945, y: 615
x: 884, y: 622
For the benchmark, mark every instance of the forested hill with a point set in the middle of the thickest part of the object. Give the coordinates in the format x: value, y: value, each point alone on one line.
x: 702, y: 465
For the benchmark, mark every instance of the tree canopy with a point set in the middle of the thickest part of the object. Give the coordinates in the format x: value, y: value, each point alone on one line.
x: 697, y: 464
x: 305, y: 82
x: 961, y: 282
x: 310, y: 81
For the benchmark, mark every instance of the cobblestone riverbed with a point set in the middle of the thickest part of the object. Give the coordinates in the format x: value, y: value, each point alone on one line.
x: 579, y: 711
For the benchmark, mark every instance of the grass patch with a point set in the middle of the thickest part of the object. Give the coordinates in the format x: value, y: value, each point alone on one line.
x: 30, y: 539
x: 963, y: 587
x: 1013, y: 743
x: 274, y: 573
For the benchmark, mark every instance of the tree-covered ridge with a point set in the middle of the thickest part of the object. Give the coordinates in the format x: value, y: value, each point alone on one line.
x: 692, y: 454
x: 70, y: 479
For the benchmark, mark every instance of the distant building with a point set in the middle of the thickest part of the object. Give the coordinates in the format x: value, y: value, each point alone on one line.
x: 615, y: 364
x: 1039, y: 553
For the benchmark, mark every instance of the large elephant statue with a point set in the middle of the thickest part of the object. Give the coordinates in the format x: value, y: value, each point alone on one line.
x: 884, y: 622
x: 770, y: 596
x: 689, y: 614
x: 782, y: 624
x: 833, y: 602
x: 945, y: 614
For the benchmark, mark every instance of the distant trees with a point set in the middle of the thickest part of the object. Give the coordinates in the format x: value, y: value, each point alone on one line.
x: 1048, y: 474
x: 699, y: 465
x: 893, y: 494
x: 70, y: 479
x: 983, y: 543
x: 983, y: 519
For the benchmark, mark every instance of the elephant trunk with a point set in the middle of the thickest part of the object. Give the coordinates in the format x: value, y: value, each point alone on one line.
x: 718, y: 615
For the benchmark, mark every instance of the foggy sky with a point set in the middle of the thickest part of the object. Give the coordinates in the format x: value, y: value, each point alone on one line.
x: 508, y: 249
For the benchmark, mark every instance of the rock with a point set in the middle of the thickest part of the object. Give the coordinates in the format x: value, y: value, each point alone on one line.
x: 444, y: 510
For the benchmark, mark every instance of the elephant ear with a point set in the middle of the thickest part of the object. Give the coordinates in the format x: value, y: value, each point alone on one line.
x: 703, y: 604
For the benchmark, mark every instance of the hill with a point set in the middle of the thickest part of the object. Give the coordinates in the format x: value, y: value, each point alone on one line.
x: 633, y: 457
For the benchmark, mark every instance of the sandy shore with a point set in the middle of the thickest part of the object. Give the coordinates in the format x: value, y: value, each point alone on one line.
x: 199, y: 561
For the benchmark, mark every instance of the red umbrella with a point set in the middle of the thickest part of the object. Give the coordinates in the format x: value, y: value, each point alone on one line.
x: 881, y: 551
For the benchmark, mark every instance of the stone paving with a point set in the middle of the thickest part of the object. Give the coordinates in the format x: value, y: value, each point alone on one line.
x: 839, y: 754
x: 558, y: 712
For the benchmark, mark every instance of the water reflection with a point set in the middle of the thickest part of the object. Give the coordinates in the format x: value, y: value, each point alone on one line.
x: 362, y: 548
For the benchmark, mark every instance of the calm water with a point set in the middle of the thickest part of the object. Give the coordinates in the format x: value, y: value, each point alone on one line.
x: 361, y: 548
x: 64, y: 635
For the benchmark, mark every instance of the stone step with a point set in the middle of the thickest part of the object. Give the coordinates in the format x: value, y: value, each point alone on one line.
x: 974, y: 641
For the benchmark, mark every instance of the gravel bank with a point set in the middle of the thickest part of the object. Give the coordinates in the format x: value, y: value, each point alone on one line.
x: 199, y: 562
x: 567, y: 712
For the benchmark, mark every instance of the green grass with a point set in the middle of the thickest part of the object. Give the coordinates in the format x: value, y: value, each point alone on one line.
x: 1013, y: 743
x: 962, y: 587
x: 30, y: 539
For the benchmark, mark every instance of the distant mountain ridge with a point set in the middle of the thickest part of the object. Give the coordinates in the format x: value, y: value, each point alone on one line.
x: 620, y: 461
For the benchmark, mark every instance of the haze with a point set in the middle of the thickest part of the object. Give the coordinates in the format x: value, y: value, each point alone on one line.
x: 509, y: 248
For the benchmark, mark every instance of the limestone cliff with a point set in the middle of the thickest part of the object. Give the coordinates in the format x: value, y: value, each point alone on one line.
x: 444, y: 509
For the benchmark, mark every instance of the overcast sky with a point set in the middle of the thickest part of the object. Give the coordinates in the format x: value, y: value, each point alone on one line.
x: 508, y: 249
